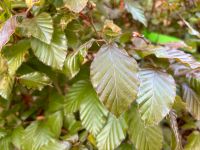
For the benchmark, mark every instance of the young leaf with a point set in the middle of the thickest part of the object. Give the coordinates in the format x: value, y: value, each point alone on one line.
x: 74, y: 60
x: 92, y: 113
x: 112, y: 134
x: 34, y: 80
x: 156, y: 95
x: 136, y: 11
x: 193, y: 141
x: 143, y: 137
x: 52, y: 54
x: 40, y: 27
x: 111, y: 29
x: 192, y: 101
x: 114, y: 75
x: 75, y: 6
x: 16, y: 55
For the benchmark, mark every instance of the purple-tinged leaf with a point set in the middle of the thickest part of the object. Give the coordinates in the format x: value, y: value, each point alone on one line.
x: 7, y: 30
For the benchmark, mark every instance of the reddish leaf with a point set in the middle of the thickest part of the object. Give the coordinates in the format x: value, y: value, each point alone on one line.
x: 7, y: 30
x: 177, y: 55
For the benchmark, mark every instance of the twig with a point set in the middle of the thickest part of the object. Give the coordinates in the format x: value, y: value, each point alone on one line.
x: 92, y: 24
x: 90, y: 20
x: 27, y: 11
x: 58, y: 88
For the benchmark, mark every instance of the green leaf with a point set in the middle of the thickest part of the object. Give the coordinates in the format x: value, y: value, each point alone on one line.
x: 126, y: 146
x: 8, y: 139
x: 75, y: 96
x: 55, y: 102
x: 5, y: 7
x: 72, y: 64
x: 55, y: 123
x: 16, y: 54
x: 179, y: 105
x: 75, y: 6
x: 36, y: 135
x: 192, y: 101
x: 16, y: 136
x: 160, y: 38
x: 72, y: 124
x: 55, y: 145
x: 82, y: 95
x: 31, y: 3
x: 90, y: 107
x: 112, y: 134
x: 6, y: 85
x: 5, y: 143
x: 34, y: 80
x: 178, y: 55
x: 114, y: 76
x: 40, y: 27
x: 6, y: 81
x: 7, y: 30
x: 193, y: 141
x: 3, y: 133
x: 154, y: 86
x: 52, y: 54
x: 74, y: 60
x: 83, y: 49
x: 3, y: 65
x: 143, y: 137
x: 193, y: 79
x: 5, y: 139
x: 57, y: 3
x: 136, y: 11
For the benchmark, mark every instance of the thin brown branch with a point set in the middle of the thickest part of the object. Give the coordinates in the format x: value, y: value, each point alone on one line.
x: 58, y: 88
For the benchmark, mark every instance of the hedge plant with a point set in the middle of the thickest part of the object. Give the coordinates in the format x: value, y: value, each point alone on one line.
x: 99, y: 74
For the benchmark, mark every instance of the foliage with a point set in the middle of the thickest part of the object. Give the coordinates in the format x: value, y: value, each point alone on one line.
x: 99, y: 74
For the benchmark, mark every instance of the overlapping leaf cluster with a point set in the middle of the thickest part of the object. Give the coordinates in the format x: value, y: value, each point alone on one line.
x: 74, y: 74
